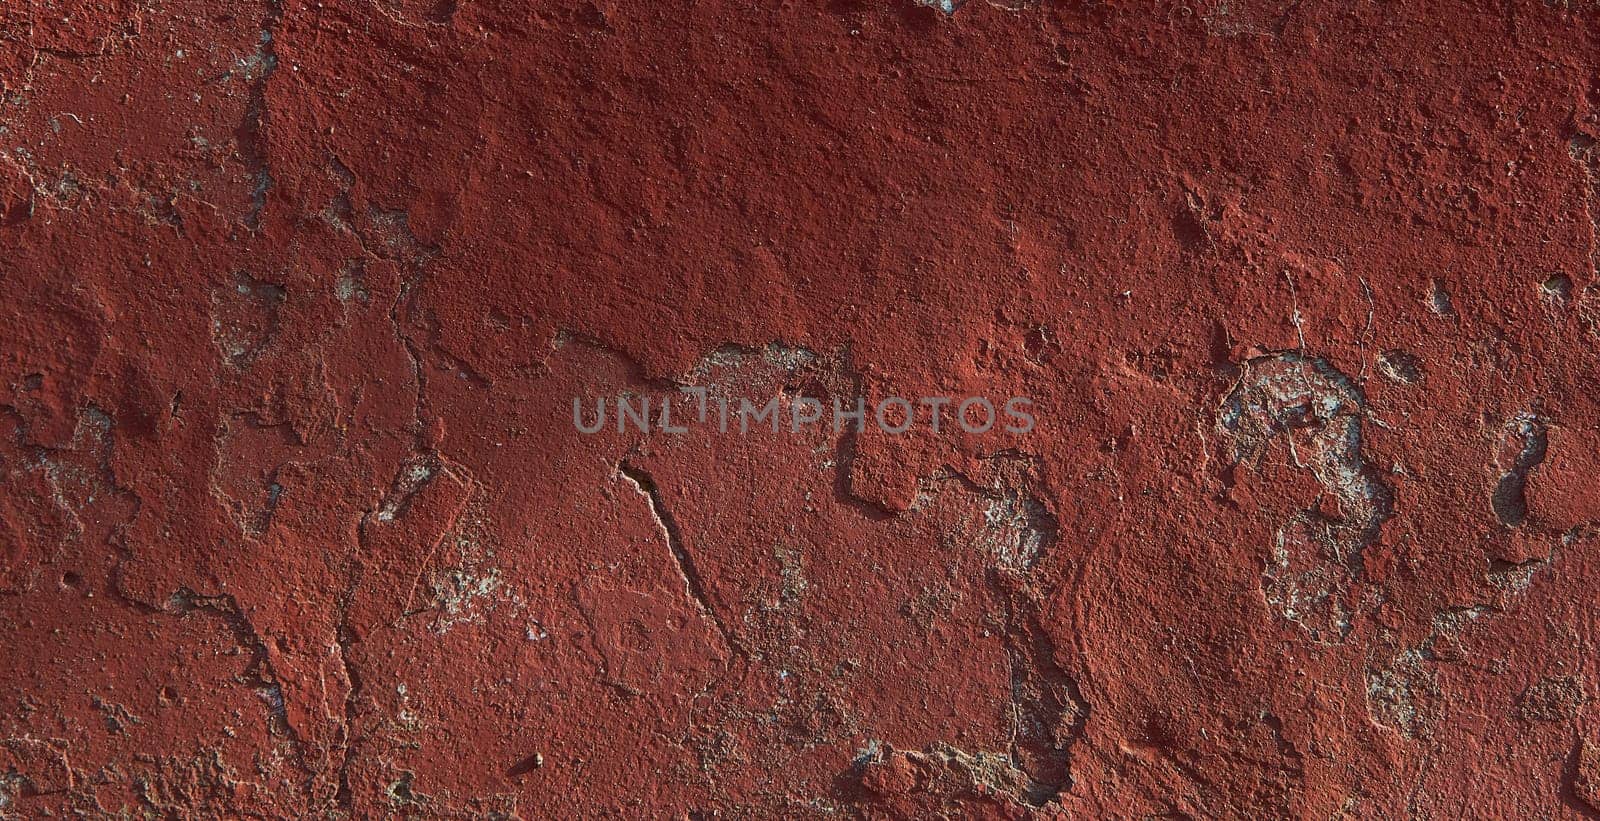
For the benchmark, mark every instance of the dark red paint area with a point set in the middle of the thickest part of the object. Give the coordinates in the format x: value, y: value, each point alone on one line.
x: 295, y: 299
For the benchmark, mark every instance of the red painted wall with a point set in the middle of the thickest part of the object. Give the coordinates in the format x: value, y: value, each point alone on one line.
x: 296, y: 298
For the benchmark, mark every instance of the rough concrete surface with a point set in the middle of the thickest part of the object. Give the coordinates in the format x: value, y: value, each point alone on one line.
x: 296, y: 298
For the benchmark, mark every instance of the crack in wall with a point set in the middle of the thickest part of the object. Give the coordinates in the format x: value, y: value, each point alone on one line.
x: 847, y: 445
x: 253, y: 131
x: 694, y: 585
x: 413, y: 475
x: 345, y: 639
x: 1014, y: 530
x: 1047, y: 710
x: 399, y: 244
x: 261, y: 675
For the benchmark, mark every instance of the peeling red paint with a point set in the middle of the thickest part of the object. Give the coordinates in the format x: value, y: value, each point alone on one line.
x: 295, y: 299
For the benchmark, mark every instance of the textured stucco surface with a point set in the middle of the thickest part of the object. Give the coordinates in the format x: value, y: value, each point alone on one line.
x: 295, y: 298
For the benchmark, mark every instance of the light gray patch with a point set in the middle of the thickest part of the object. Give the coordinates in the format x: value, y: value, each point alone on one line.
x: 1318, y: 414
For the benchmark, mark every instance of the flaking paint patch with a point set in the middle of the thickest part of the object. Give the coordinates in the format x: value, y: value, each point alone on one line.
x: 296, y: 299
x: 1318, y: 414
